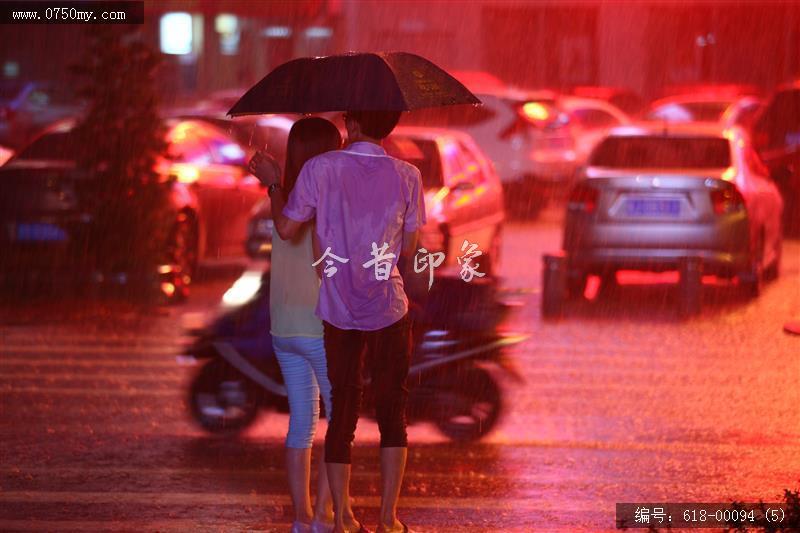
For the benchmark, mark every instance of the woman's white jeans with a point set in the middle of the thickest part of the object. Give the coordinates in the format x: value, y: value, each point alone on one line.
x: 305, y: 373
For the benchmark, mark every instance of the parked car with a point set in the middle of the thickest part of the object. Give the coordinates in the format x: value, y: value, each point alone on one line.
x: 463, y: 196
x: 777, y: 139
x: 46, y: 199
x: 729, y: 109
x: 590, y: 120
x: 624, y: 99
x: 652, y: 197
x: 525, y: 134
x: 27, y: 107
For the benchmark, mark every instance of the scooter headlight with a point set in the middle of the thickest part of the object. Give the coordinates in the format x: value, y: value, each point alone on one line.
x: 243, y: 289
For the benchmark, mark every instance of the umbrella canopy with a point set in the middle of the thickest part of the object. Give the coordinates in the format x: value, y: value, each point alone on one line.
x: 383, y: 81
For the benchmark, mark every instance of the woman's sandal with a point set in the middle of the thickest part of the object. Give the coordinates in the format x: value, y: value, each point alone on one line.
x: 405, y: 527
x: 318, y: 526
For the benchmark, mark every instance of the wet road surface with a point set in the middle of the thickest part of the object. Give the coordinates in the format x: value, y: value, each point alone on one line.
x: 622, y: 402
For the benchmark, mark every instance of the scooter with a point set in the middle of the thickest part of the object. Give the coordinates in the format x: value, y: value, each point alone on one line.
x: 457, y: 352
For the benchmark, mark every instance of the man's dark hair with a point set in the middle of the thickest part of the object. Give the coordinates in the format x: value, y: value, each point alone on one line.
x: 376, y: 124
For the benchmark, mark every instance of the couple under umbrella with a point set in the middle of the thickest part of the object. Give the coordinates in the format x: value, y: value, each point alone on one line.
x: 346, y: 222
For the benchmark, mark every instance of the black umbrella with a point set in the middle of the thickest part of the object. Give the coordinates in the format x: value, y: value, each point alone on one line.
x: 383, y: 81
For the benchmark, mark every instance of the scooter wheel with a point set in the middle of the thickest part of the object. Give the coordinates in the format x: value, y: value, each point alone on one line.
x: 468, y: 407
x: 221, y: 400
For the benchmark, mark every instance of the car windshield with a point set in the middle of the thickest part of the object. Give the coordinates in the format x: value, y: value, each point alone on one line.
x: 662, y: 152
x: 780, y: 122
x: 690, y: 111
x: 421, y: 153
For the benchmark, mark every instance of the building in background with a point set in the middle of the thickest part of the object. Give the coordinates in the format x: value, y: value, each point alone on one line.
x: 560, y: 44
x: 229, y: 44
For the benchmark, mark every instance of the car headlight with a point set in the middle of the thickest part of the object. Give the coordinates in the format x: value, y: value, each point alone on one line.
x: 243, y: 289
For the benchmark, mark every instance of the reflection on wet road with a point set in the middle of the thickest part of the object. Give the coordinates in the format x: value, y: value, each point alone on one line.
x: 622, y: 401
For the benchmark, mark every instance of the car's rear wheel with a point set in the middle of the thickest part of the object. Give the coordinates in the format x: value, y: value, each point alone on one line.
x: 751, y: 281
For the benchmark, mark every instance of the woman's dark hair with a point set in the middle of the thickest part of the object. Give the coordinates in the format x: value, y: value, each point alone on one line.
x: 376, y: 124
x: 308, y: 138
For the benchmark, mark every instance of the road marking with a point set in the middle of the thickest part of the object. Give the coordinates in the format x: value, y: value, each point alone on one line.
x: 566, y: 477
x: 36, y: 338
x: 92, y: 392
x: 156, y: 363
x: 88, y: 349
x: 200, y: 525
x: 571, y: 387
x: 159, y: 376
x: 489, y: 503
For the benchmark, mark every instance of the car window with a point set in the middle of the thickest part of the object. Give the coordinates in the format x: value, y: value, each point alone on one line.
x: 780, y: 121
x: 689, y: 111
x: 707, y: 111
x: 474, y: 170
x: 423, y: 154
x: 593, y: 118
x: 455, y: 162
x: 669, y: 113
x: 661, y: 152
x: 60, y: 146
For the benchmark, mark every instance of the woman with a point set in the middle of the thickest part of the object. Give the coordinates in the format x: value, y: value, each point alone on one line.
x: 296, y: 332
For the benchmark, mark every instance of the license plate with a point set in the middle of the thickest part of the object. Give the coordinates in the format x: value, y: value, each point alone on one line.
x: 653, y: 207
x: 40, y: 232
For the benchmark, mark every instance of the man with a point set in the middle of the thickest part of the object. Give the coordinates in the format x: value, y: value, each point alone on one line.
x: 368, y: 208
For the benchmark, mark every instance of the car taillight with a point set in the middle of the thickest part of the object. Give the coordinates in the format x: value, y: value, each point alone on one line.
x: 727, y: 200
x: 583, y: 198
